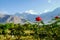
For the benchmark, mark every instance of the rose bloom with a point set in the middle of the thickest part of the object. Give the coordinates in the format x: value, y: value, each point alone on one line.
x: 56, y: 17
x: 38, y: 18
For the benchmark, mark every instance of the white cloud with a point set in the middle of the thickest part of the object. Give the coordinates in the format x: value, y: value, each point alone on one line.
x: 3, y: 12
x: 46, y: 11
x: 31, y: 12
x: 49, y: 1
x: 36, y: 13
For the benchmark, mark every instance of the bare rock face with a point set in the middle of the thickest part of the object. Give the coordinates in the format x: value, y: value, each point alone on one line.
x: 11, y: 19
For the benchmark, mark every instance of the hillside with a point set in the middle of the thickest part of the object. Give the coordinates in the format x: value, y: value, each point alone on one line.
x: 11, y: 19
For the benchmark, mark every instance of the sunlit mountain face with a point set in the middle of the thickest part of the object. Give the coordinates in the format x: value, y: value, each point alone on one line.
x: 5, y: 18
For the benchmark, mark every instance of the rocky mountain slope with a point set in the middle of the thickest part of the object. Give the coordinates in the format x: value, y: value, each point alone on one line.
x: 11, y: 19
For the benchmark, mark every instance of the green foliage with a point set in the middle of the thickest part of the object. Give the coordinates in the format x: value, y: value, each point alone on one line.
x: 47, y: 32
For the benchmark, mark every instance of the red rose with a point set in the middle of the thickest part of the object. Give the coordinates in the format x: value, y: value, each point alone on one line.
x: 38, y: 18
x: 56, y: 17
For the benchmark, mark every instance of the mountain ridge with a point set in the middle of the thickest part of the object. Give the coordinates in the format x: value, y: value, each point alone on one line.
x: 22, y: 17
x: 45, y: 16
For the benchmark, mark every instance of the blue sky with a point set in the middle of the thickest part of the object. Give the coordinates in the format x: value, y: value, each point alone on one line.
x: 30, y: 6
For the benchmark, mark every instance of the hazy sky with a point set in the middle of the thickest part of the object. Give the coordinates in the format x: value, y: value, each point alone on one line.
x: 30, y: 6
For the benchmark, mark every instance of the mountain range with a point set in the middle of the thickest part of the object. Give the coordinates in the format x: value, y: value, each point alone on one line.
x: 22, y: 17
x: 45, y: 16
